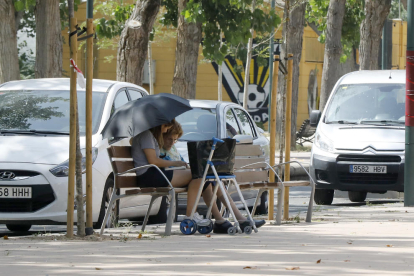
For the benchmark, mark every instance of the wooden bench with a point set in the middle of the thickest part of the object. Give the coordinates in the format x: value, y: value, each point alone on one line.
x: 252, y: 173
x: 125, y: 177
x: 305, y: 133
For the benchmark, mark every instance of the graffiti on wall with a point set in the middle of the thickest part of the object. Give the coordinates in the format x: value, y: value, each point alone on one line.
x: 258, y: 90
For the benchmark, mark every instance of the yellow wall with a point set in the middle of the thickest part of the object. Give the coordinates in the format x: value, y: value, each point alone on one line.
x: 207, y: 79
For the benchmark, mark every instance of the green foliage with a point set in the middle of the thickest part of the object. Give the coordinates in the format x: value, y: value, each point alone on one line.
x: 24, y: 4
x: 354, y: 14
x: 232, y: 17
x: 395, y: 11
x: 26, y: 62
x: 110, y: 28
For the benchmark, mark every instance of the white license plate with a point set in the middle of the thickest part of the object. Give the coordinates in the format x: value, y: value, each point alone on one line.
x: 15, y: 192
x: 367, y: 169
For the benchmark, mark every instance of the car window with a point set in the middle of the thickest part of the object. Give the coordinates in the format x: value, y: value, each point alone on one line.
x: 232, y: 128
x: 134, y: 94
x: 198, y: 124
x: 121, y: 98
x: 245, y: 122
x: 357, y: 103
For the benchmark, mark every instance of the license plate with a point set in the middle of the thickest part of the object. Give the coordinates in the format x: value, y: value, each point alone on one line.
x: 367, y: 169
x: 15, y: 192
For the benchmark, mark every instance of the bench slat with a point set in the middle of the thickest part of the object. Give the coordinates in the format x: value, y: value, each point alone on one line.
x: 122, y: 166
x: 248, y: 150
x: 126, y: 181
x: 119, y: 152
x: 252, y: 186
x: 251, y: 176
x: 240, y: 162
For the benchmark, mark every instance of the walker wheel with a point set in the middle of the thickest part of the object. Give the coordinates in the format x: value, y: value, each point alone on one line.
x: 205, y: 229
x: 248, y: 230
x: 188, y: 227
x: 232, y: 231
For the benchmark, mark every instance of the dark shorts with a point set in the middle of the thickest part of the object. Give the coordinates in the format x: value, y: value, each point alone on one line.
x: 152, y: 178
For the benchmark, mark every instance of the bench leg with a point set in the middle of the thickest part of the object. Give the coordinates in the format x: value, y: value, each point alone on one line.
x: 108, y: 211
x: 279, y: 205
x: 256, y: 202
x: 153, y: 198
x: 171, y: 213
x: 310, y: 206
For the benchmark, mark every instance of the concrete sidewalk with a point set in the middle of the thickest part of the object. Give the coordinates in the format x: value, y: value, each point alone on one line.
x: 375, y: 238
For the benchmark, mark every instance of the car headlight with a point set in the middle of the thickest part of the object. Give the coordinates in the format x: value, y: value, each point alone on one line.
x: 322, y: 142
x: 62, y: 170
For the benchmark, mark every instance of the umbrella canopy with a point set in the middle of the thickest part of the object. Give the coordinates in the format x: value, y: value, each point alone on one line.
x: 140, y: 115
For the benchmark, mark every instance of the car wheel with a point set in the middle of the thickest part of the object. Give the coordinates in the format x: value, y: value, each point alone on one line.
x: 357, y: 196
x: 261, y: 209
x: 113, y: 221
x: 162, y: 215
x: 324, y: 197
x: 19, y: 227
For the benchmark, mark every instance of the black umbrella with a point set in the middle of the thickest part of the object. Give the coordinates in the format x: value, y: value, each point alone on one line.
x: 140, y: 115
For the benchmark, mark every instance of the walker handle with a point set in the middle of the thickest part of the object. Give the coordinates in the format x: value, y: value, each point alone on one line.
x: 216, y: 140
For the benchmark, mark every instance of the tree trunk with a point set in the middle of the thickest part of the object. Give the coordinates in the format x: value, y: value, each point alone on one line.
x: 133, y: 43
x: 48, y: 40
x: 333, y: 49
x: 294, y: 40
x: 186, y: 56
x: 9, y: 59
x: 376, y: 12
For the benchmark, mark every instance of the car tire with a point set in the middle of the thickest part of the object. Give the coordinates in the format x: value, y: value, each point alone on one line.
x: 162, y: 215
x: 261, y: 209
x: 113, y: 222
x: 357, y: 196
x: 323, y: 197
x: 19, y: 227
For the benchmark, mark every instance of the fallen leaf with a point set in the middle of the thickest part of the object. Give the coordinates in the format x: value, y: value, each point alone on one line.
x: 97, y: 268
x: 293, y: 268
x: 349, y: 242
x: 139, y: 236
x: 347, y: 261
x: 250, y: 267
x: 208, y: 236
x: 6, y: 237
x: 406, y: 211
x: 318, y: 261
x: 303, y: 244
x: 389, y: 245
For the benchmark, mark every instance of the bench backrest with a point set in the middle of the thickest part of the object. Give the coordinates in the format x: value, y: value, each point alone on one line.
x: 248, y: 154
x: 121, y: 161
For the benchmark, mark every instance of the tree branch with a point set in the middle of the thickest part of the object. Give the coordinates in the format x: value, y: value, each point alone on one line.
x: 314, y: 27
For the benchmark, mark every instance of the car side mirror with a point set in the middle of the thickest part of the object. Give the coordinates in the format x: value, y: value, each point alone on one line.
x: 315, y: 116
x: 243, y: 139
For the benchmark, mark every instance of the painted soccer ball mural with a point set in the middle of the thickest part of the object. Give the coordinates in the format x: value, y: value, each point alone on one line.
x: 258, y: 90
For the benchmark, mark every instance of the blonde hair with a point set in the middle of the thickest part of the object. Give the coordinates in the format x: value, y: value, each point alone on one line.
x: 176, y: 129
x: 156, y: 131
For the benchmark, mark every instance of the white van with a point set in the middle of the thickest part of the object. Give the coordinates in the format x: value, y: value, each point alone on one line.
x: 34, y: 147
x: 360, y: 138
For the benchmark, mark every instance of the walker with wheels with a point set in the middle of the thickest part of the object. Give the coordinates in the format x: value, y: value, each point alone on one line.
x: 190, y: 226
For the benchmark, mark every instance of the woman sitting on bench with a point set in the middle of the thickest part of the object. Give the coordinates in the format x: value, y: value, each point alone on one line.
x: 170, y: 153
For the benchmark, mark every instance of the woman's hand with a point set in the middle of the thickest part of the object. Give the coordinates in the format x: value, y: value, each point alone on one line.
x: 180, y: 164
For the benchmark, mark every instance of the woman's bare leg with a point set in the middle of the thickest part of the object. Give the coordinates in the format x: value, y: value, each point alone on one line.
x: 208, y: 195
x: 236, y: 211
x: 182, y: 178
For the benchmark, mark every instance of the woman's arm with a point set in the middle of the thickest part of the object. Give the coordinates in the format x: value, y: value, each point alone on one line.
x: 154, y: 160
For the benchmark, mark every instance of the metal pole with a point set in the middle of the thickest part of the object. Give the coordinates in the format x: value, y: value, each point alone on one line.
x: 272, y: 121
x: 271, y: 52
x: 287, y: 133
x: 72, y: 143
x: 409, y: 111
x: 89, y: 77
x: 384, y: 47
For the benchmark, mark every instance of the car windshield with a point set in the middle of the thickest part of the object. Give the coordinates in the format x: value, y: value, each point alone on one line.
x: 45, y: 111
x: 367, y: 104
x: 198, y: 124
